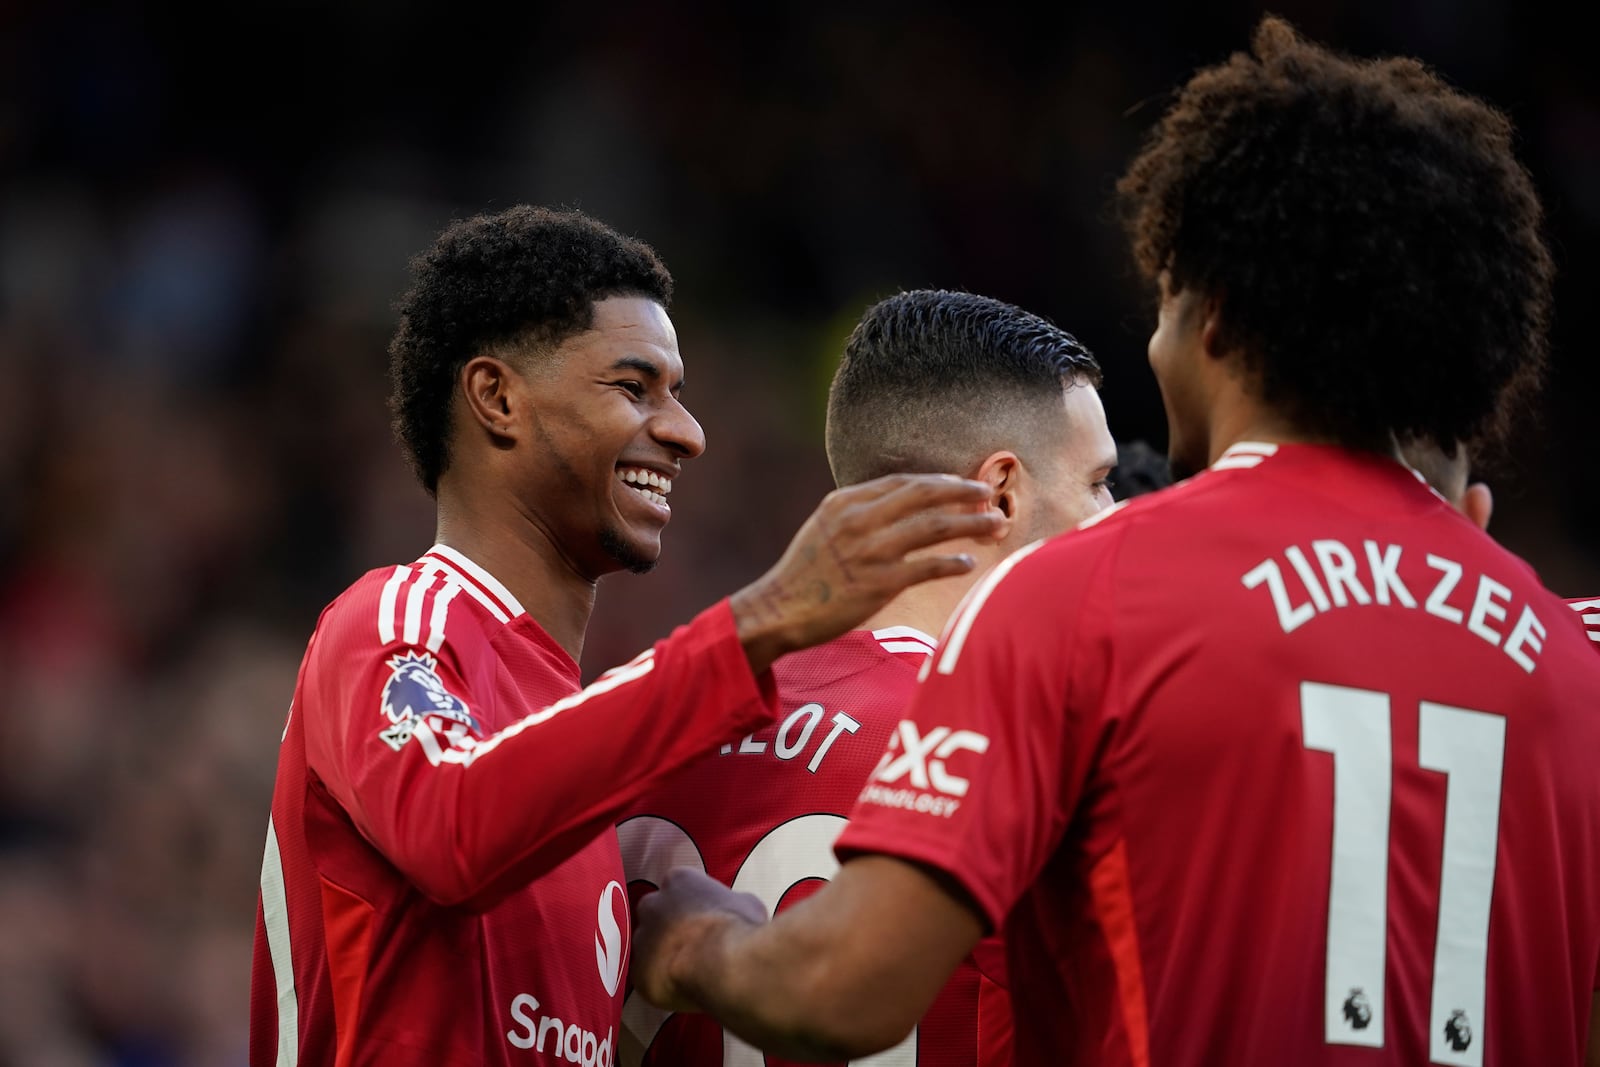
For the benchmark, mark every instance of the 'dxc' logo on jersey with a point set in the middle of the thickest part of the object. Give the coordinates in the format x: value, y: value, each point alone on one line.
x: 414, y: 693
x: 909, y: 755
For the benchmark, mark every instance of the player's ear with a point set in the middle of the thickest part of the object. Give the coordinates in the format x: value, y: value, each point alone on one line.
x: 1477, y: 504
x: 1210, y: 311
x: 1003, y: 471
x: 490, y: 391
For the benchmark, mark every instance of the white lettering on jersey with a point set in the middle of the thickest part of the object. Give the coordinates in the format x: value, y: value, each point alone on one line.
x: 1335, y: 582
x: 1385, y: 574
x: 1297, y: 559
x: 1290, y: 617
x: 567, y: 1042
x: 1340, y: 567
x: 1451, y: 571
x: 1529, y: 632
x: 786, y: 745
x: 921, y: 759
x: 1485, y: 608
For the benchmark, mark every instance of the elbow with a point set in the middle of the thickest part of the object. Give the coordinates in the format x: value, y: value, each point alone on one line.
x: 446, y: 892
x: 447, y: 884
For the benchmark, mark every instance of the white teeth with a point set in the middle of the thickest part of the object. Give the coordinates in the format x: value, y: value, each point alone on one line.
x: 635, y: 476
x: 646, y: 483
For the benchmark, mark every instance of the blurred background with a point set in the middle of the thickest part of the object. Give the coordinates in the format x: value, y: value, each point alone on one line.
x: 205, y: 216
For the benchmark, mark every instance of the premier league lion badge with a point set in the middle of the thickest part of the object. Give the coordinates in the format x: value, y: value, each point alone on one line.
x: 415, y: 694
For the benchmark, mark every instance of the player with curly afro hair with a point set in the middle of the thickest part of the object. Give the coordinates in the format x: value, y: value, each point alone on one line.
x: 1362, y: 238
x: 526, y: 278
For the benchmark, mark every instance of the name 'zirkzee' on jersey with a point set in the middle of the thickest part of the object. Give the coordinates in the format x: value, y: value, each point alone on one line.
x: 761, y: 815
x: 1287, y: 762
x: 441, y: 883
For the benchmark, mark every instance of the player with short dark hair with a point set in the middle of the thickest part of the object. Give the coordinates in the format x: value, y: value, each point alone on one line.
x: 441, y: 882
x: 931, y: 380
x: 1287, y: 763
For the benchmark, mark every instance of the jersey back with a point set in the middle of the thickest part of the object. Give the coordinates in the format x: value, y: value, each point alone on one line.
x: 1288, y: 764
x: 762, y: 814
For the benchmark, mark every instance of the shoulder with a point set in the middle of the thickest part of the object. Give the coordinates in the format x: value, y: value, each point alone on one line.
x: 886, y: 656
x: 422, y: 605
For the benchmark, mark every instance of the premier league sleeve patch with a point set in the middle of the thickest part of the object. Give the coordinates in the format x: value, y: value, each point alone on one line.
x: 415, y: 697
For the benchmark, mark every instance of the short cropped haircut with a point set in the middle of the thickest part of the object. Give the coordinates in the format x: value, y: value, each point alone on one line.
x: 934, y: 380
x: 1373, y: 241
x: 523, y: 279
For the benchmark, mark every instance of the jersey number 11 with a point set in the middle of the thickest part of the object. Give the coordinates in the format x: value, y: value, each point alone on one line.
x: 1469, y: 747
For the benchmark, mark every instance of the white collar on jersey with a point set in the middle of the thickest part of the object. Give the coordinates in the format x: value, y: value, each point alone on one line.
x: 1244, y: 454
x: 904, y: 639
x: 472, y: 574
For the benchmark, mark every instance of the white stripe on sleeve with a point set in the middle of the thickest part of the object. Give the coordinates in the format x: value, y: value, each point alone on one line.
x: 275, y: 917
x: 441, y: 607
x: 386, y: 603
x: 414, y: 598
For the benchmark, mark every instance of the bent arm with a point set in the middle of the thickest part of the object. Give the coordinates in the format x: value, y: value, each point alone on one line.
x: 469, y: 819
x: 845, y: 973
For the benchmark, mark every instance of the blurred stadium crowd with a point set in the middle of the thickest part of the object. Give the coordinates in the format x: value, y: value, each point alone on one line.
x: 203, y: 222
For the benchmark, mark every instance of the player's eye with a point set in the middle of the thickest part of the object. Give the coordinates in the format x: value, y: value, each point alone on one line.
x: 1105, y: 483
x: 635, y: 388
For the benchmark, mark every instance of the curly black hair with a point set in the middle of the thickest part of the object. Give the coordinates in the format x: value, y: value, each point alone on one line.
x: 935, y: 379
x: 1372, y: 239
x: 528, y: 278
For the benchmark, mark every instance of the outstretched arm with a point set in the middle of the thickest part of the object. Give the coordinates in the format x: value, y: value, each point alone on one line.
x: 845, y: 973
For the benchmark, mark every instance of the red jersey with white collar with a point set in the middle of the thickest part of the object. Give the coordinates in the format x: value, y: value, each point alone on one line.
x: 1288, y: 764
x: 761, y: 815
x: 441, y: 883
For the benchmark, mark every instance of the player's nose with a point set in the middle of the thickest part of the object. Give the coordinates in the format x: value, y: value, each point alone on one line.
x: 679, y: 431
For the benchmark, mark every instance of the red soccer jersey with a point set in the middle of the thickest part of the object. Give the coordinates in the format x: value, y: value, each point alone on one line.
x: 1589, y: 611
x: 1290, y: 764
x: 761, y: 815
x: 441, y: 884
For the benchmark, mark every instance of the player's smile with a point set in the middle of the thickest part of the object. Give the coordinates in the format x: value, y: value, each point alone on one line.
x: 646, y: 489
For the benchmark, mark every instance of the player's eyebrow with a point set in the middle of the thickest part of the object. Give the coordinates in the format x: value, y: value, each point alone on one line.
x: 645, y: 367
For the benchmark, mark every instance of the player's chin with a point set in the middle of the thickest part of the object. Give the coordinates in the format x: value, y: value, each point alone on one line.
x: 634, y: 550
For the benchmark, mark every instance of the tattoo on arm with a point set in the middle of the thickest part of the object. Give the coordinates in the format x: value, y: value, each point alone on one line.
x: 833, y: 550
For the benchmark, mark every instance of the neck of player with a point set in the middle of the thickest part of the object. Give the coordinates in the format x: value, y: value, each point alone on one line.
x: 1238, y: 414
x: 526, y: 560
x: 927, y: 606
